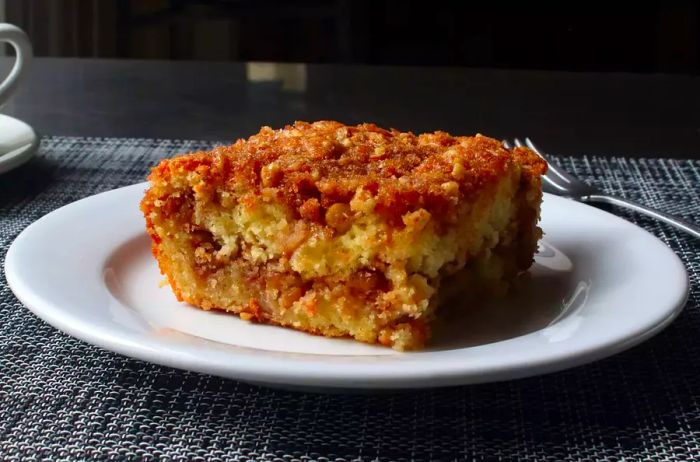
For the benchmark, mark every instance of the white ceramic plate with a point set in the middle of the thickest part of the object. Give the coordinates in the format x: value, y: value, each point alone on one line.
x: 18, y: 143
x: 599, y: 285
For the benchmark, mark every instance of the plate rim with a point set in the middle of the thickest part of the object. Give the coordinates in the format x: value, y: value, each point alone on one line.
x: 252, y: 369
x: 19, y: 156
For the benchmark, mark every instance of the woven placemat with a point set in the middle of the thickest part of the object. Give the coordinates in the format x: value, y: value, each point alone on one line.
x: 63, y: 399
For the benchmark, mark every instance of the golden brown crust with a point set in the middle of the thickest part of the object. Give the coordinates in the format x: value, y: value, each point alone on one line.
x: 312, y: 166
x: 370, y: 220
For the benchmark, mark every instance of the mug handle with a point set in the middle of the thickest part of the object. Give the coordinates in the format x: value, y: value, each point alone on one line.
x: 19, y: 40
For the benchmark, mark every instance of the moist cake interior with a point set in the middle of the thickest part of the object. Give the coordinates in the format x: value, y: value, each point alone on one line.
x: 353, y: 256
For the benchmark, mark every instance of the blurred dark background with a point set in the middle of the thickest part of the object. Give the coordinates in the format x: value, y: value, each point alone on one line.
x: 653, y: 37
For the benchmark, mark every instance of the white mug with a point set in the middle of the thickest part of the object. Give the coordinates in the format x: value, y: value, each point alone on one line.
x: 23, y: 47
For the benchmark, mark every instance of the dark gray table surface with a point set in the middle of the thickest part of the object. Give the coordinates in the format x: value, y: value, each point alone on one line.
x: 63, y: 399
x: 566, y: 113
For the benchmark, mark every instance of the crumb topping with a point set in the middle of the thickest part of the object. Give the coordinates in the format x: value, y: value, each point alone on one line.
x: 319, y: 167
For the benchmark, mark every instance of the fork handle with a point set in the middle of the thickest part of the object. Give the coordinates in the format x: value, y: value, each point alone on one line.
x: 689, y: 228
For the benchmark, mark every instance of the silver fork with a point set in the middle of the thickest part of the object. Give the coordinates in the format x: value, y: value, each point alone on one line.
x: 559, y: 182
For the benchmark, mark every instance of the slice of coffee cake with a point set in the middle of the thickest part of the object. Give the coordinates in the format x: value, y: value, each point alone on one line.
x: 343, y: 230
